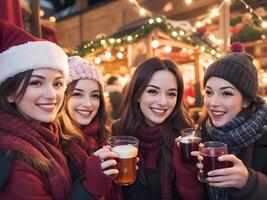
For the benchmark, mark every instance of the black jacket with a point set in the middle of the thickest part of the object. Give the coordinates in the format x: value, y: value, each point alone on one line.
x: 147, y: 186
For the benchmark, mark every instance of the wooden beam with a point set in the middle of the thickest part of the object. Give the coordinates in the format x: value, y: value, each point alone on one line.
x: 36, y: 25
x: 255, y: 43
x: 224, y: 26
x: 198, y: 102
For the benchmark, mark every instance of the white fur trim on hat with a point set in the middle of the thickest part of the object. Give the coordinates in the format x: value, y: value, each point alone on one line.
x: 83, y: 69
x: 32, y: 55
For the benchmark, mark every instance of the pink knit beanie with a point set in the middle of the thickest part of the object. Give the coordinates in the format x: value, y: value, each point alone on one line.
x: 82, y: 69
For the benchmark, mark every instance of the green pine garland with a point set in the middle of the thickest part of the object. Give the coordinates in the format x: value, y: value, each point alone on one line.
x: 176, y: 33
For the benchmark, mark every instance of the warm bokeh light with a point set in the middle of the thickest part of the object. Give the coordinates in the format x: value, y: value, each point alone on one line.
x: 41, y: 13
x: 108, y: 55
x: 52, y: 19
x: 97, y: 60
x: 119, y: 55
x: 167, y: 48
x: 142, y: 11
x: 188, y: 1
x: 155, y: 44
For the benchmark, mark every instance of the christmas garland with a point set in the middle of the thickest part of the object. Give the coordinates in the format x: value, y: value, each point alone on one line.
x: 175, y: 33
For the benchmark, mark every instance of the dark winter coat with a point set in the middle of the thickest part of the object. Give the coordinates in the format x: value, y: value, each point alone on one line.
x: 255, y: 158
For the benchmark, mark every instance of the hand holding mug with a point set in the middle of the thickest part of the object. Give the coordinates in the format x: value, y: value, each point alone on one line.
x: 235, y: 176
x: 188, y: 142
x: 209, y: 153
x: 108, y: 161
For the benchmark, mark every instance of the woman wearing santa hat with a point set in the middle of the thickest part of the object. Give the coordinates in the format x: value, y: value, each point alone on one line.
x: 32, y: 85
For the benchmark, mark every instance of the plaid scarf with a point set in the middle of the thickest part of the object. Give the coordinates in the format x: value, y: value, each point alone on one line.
x: 241, y: 132
x: 39, y: 146
x: 238, y: 133
x: 150, y: 141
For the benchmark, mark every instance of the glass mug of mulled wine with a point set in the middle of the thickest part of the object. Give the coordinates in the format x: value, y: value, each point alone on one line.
x: 188, y: 142
x: 210, y: 151
x: 126, y: 147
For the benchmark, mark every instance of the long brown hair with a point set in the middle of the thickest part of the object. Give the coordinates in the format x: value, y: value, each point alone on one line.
x: 131, y: 114
x: 102, y: 114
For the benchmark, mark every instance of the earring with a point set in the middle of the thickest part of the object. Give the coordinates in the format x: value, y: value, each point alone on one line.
x: 246, y: 104
x: 10, y: 100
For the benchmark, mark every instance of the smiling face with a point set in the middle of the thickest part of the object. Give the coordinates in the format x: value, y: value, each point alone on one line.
x: 159, y: 97
x: 84, y: 103
x: 43, y: 96
x: 222, y: 101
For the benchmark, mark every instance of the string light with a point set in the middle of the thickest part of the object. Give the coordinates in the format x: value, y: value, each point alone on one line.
x: 168, y: 48
x: 120, y: 55
x: 118, y: 40
x: 108, y: 55
x: 111, y: 40
x: 98, y: 60
x: 155, y: 44
x: 129, y: 38
x: 188, y: 1
x: 214, y: 12
x: 52, y: 19
x: 176, y: 33
x: 142, y: 11
x: 252, y: 11
x: 41, y: 13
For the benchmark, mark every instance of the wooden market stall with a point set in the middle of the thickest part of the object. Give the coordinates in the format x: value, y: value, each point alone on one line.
x: 133, y: 43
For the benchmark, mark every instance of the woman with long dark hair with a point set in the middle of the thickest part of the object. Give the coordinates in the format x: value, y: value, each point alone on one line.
x: 152, y: 111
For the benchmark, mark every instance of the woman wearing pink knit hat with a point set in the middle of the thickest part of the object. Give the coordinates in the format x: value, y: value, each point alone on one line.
x: 32, y: 87
x: 85, y: 109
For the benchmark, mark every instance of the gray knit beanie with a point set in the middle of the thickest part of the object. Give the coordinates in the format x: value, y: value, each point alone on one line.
x: 239, y: 70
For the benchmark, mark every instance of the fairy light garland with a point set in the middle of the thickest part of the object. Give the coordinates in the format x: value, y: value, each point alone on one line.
x: 176, y: 33
x: 247, y: 6
x: 252, y: 11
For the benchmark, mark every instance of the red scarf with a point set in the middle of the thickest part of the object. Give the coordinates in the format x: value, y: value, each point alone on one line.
x: 79, y: 151
x: 150, y: 142
x: 91, y: 135
x: 38, y: 143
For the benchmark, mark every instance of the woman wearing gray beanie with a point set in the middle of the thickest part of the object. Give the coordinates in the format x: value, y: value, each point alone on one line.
x: 236, y: 116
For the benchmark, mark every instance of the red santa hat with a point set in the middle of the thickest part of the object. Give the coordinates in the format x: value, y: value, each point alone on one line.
x: 20, y: 51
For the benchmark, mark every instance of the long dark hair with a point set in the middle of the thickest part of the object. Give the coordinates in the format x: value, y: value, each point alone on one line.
x: 101, y: 114
x: 14, y: 85
x: 131, y: 114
